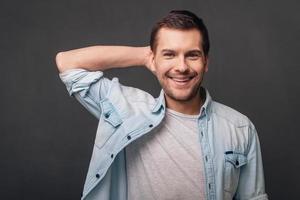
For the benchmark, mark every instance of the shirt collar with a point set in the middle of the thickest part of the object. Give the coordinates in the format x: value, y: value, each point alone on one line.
x: 160, y: 102
x: 205, y: 109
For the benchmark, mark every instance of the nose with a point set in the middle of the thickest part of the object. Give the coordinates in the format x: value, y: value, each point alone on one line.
x: 181, y: 65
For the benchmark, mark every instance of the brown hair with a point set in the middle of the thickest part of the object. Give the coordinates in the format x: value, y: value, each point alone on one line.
x: 182, y: 20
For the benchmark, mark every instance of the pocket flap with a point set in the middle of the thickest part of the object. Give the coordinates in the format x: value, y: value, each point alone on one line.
x: 109, y: 113
x: 235, y: 158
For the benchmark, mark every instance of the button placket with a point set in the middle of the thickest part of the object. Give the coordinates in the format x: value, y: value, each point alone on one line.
x: 206, y: 157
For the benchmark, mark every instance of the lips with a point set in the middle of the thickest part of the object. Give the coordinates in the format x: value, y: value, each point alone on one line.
x: 181, y: 81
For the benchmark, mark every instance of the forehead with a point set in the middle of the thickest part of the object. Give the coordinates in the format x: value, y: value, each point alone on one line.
x: 179, y: 39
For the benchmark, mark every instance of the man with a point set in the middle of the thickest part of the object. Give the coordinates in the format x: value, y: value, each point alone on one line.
x: 181, y: 145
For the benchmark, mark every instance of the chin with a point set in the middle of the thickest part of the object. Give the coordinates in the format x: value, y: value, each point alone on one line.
x: 180, y: 96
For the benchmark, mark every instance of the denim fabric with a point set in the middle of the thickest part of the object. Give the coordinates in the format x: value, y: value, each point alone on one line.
x: 229, y: 141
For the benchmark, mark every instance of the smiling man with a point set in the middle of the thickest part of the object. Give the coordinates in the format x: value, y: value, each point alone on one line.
x: 180, y: 145
x: 179, y: 63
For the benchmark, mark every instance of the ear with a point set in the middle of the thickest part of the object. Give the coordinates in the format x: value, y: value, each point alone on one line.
x: 206, y: 60
x: 151, y: 63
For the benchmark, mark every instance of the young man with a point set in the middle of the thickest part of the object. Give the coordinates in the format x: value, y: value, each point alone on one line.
x: 181, y: 145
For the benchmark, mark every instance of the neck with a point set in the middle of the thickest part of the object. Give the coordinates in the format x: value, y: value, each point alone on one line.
x: 190, y: 107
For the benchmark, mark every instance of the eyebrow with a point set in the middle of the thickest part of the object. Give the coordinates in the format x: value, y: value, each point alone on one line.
x: 166, y: 50
x: 195, y: 51
x: 191, y: 51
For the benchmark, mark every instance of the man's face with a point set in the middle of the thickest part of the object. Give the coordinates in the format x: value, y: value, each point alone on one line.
x: 179, y: 63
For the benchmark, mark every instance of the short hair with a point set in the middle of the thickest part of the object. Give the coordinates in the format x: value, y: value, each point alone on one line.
x: 181, y: 20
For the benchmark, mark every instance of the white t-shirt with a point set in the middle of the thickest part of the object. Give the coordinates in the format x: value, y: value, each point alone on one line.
x: 167, y: 163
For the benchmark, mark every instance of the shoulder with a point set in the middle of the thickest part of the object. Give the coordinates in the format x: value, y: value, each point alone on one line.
x: 129, y: 99
x: 230, y: 115
x: 137, y: 96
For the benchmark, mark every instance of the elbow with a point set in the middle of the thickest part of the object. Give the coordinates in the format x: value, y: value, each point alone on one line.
x: 65, y: 60
x: 60, y: 60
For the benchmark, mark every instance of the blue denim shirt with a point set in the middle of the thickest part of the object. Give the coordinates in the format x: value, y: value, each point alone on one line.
x: 230, y: 145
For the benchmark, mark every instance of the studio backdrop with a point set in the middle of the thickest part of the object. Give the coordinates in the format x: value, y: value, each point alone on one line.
x: 46, y: 136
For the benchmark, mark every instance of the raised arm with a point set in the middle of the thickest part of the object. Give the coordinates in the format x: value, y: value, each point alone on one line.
x: 86, y: 81
x: 100, y: 58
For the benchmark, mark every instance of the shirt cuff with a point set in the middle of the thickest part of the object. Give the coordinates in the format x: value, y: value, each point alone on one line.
x: 78, y: 79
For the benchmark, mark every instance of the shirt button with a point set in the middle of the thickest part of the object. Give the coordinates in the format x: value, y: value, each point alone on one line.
x: 112, y: 155
x: 237, y: 162
x: 151, y: 125
x: 128, y: 137
x: 97, y: 175
x: 106, y: 115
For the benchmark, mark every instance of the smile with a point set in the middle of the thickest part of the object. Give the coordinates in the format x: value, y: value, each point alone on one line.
x: 181, y: 81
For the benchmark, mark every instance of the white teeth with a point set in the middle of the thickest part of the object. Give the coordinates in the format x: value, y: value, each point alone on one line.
x: 182, y: 79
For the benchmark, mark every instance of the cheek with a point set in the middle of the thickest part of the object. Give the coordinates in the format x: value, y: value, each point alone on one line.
x: 198, y: 67
x: 163, y: 67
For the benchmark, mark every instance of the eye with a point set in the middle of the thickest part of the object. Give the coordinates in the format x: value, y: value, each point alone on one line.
x: 193, y: 56
x: 168, y: 55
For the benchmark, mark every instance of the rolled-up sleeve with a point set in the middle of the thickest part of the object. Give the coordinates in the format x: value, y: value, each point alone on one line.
x: 88, y: 87
x: 251, y: 184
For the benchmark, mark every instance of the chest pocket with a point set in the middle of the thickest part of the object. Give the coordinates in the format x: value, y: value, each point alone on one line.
x: 109, y: 122
x: 232, y: 166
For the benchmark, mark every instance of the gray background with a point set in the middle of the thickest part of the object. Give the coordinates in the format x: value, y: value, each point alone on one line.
x: 46, y: 136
